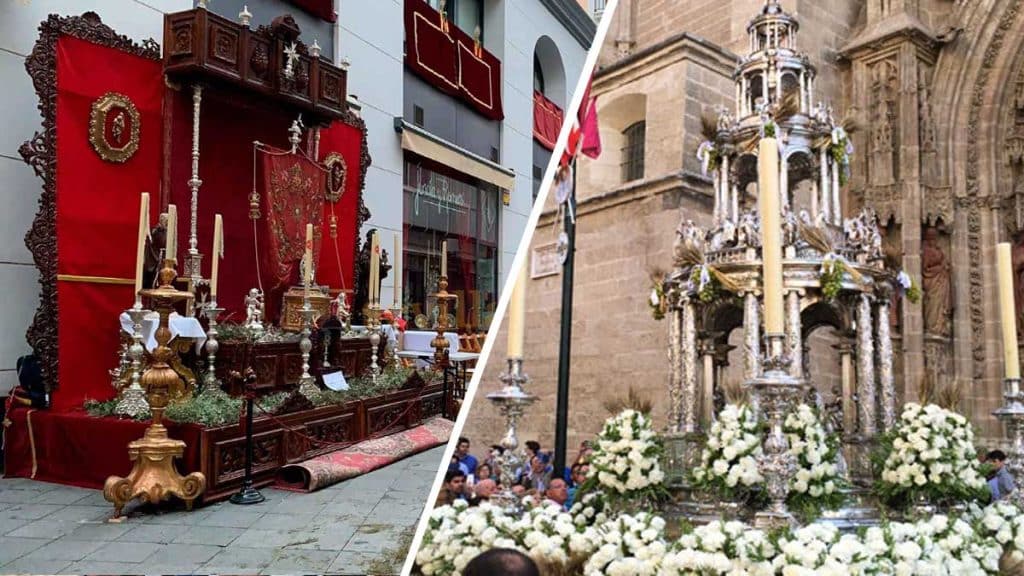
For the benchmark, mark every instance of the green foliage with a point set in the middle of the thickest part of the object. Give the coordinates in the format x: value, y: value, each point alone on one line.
x: 711, y: 289
x: 831, y: 278
x: 914, y: 292
x: 214, y: 407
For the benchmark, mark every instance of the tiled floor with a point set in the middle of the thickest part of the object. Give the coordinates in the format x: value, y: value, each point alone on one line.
x: 349, y: 528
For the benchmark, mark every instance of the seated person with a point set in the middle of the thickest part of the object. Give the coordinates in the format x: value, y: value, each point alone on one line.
x: 579, y: 476
x: 483, y: 491
x: 537, y: 475
x: 483, y: 472
x: 465, y: 458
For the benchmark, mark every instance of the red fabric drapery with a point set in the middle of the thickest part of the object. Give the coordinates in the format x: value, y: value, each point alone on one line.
x: 292, y: 194
x: 336, y: 265
x: 75, y: 448
x: 449, y: 59
x: 547, y: 120
x: 97, y: 210
x: 323, y: 9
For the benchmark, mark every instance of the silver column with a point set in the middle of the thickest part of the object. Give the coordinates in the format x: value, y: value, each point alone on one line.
x: 794, y: 335
x: 690, y: 409
x: 751, y: 336
x: 675, y: 374
x: 886, y: 380
x: 866, y: 389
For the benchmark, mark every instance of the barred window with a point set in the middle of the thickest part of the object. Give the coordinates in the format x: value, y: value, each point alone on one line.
x: 633, y: 152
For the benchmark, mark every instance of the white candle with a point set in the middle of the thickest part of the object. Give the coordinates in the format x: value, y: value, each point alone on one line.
x: 218, y: 247
x: 374, y: 268
x: 1008, y: 311
x: 398, y: 271
x: 140, y: 248
x: 771, y: 233
x: 444, y: 258
x: 517, y: 316
x: 307, y: 274
x: 171, y: 251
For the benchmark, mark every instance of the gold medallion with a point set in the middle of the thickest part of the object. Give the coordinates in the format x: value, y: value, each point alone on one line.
x: 114, y: 127
x: 337, y: 171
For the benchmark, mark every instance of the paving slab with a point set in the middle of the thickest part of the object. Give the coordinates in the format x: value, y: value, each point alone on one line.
x: 348, y: 528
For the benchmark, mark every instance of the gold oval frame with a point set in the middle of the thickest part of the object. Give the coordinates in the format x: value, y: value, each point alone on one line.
x: 329, y: 162
x: 102, y: 107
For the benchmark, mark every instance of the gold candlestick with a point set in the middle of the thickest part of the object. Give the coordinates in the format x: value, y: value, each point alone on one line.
x: 440, y: 343
x: 153, y: 477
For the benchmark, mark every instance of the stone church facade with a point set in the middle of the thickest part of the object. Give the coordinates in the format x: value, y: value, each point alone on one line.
x: 936, y: 88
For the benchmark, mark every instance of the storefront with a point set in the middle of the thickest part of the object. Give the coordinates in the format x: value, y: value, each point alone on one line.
x: 444, y: 205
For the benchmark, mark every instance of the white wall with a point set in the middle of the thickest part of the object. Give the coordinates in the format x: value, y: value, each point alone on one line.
x: 19, y: 187
x: 371, y: 38
x: 525, y: 23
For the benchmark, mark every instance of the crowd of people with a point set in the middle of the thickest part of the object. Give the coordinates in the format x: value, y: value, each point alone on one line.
x: 470, y: 479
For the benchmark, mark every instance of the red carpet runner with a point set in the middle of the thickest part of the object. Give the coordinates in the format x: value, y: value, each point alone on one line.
x: 364, y: 457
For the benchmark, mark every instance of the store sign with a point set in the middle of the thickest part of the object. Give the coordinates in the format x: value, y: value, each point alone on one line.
x: 545, y: 261
x: 439, y: 191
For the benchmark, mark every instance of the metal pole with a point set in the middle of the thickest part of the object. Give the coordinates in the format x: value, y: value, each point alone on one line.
x: 565, y: 346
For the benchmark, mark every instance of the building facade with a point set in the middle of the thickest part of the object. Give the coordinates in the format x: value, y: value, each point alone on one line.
x: 415, y: 196
x: 936, y: 88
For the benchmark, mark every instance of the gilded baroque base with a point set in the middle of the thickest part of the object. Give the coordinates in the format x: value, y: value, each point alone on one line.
x: 153, y: 477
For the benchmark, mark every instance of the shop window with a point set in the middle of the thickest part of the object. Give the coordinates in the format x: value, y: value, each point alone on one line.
x: 443, y: 205
x: 633, y: 151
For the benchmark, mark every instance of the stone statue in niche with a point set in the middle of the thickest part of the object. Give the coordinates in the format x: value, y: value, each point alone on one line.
x: 892, y: 253
x: 936, y: 281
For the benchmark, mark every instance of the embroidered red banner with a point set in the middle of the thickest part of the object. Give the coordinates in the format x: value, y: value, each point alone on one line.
x: 291, y: 191
x: 547, y: 120
x: 450, y: 60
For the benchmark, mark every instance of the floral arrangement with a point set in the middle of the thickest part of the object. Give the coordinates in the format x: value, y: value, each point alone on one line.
x: 929, y: 455
x: 831, y: 276
x: 657, y: 301
x: 840, y: 149
x: 728, y: 465
x: 704, y: 283
x: 817, y: 483
x: 720, y: 548
x: 627, y: 546
x: 1004, y: 523
x: 626, y: 463
x: 908, y: 288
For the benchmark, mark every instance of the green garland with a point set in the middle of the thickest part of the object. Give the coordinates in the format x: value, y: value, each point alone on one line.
x: 914, y: 292
x: 840, y: 158
x: 711, y: 289
x: 769, y: 129
x: 657, y: 310
x: 831, y: 277
x: 211, y: 406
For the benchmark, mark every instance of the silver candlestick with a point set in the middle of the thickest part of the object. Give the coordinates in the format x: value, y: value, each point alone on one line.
x: 1011, y: 414
x: 512, y: 401
x: 373, y: 327
x: 212, y: 346
x: 133, y: 398
x: 777, y: 393
x: 306, y: 385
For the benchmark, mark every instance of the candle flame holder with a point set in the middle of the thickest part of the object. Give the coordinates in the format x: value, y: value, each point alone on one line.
x: 212, y: 346
x: 307, y: 386
x: 1011, y: 414
x: 440, y: 344
x: 133, y: 398
x: 776, y: 393
x: 512, y: 400
x: 373, y: 327
x: 153, y: 477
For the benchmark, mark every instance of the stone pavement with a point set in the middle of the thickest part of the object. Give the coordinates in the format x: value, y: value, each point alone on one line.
x: 355, y: 527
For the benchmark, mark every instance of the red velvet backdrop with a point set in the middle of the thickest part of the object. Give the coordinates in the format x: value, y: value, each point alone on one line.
x: 97, y: 210
x: 446, y: 57
x: 337, y: 258
x: 228, y: 127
